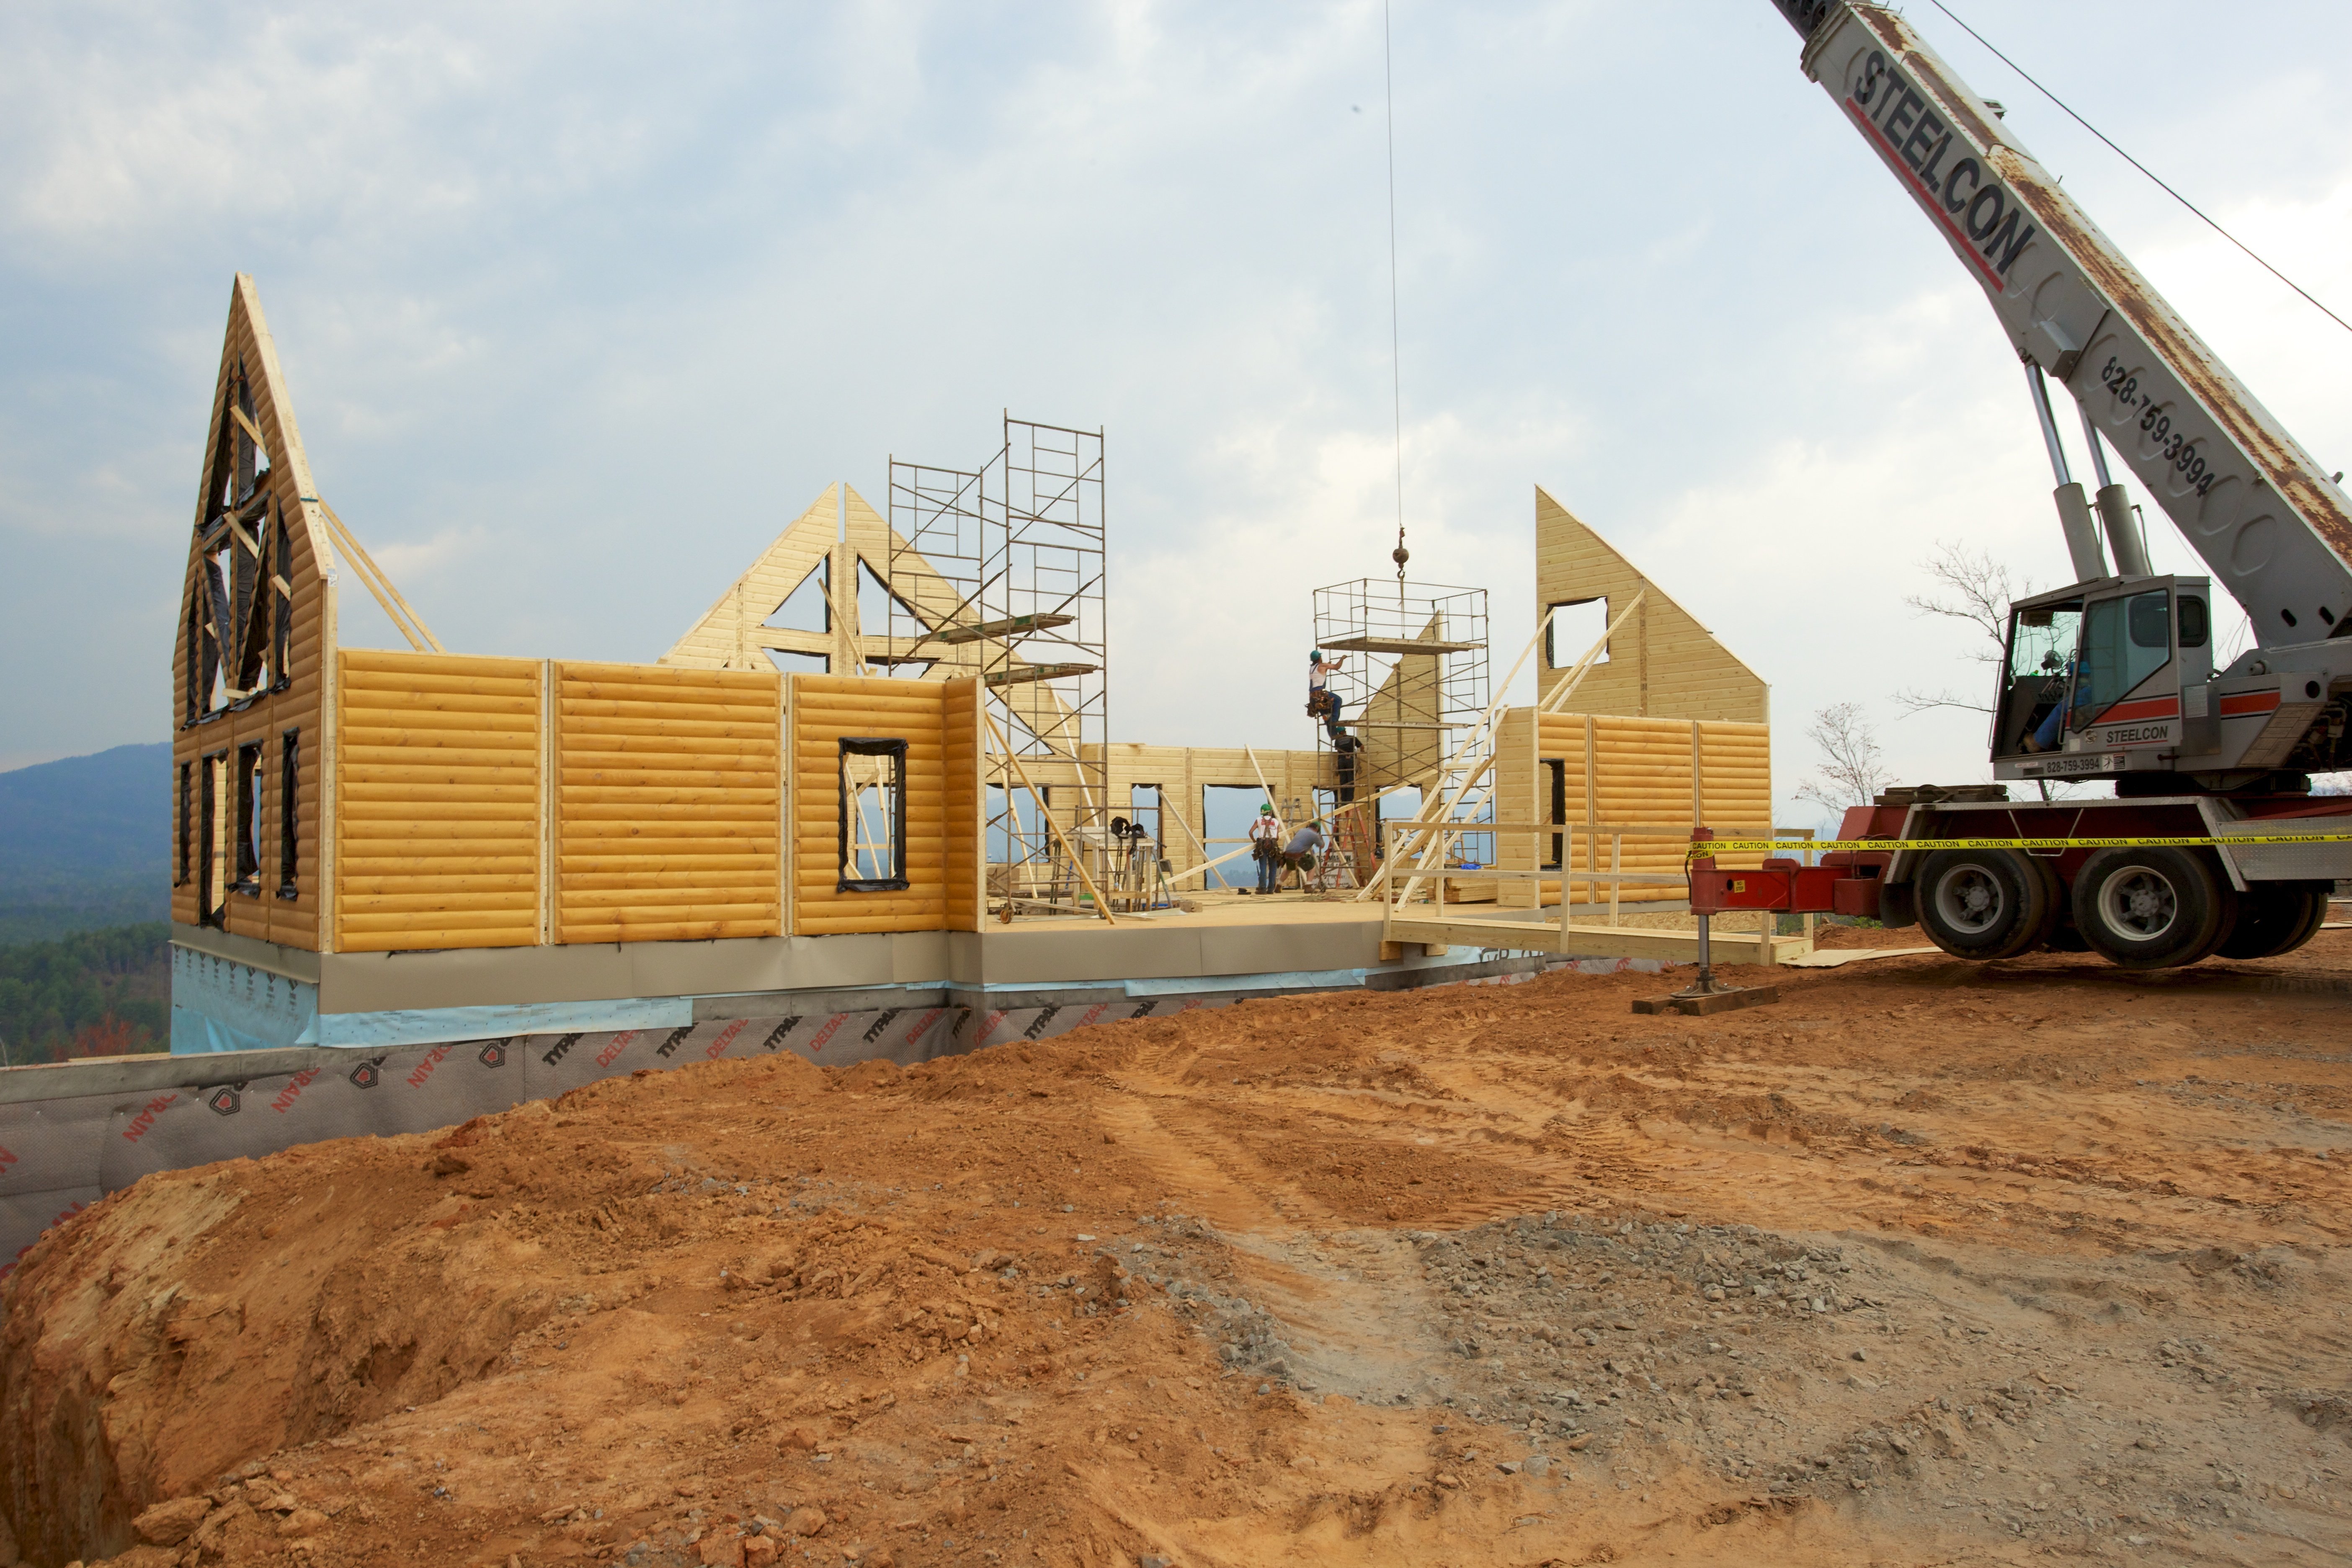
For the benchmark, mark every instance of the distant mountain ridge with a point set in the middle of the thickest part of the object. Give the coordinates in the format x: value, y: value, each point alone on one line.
x: 86, y: 842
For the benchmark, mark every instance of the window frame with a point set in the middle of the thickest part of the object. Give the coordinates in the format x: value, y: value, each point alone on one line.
x: 212, y: 896
x: 290, y: 824
x: 894, y: 748
x: 246, y: 794
x: 187, y: 785
x: 1556, y: 770
x: 1551, y: 630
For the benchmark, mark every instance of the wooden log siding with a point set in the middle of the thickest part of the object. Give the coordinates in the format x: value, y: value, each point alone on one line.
x: 438, y: 821
x: 667, y: 787
x: 1659, y: 773
x: 824, y: 709
x: 963, y: 745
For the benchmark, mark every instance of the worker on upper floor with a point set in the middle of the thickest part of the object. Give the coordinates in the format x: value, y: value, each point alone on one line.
x: 1321, y: 701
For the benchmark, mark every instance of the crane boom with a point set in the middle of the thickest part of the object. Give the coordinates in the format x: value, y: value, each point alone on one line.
x: 2271, y: 524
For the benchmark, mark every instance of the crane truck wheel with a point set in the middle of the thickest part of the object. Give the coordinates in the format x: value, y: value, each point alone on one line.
x: 2275, y: 918
x: 2152, y: 908
x: 1983, y: 903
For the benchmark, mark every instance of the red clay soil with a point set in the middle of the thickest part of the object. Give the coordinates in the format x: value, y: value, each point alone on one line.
x: 1928, y: 1263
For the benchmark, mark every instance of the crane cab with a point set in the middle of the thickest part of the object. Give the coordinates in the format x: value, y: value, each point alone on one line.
x: 2105, y: 678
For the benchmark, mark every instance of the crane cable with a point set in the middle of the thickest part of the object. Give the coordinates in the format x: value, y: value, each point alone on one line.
x: 2143, y: 168
x: 1396, y: 361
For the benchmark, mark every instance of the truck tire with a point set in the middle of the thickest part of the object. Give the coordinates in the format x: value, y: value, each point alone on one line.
x: 2275, y: 918
x: 2054, y: 911
x: 2152, y: 908
x: 1983, y: 904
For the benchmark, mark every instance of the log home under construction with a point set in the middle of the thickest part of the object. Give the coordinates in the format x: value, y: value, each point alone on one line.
x: 801, y: 822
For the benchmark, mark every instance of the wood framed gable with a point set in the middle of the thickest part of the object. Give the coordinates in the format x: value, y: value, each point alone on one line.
x: 252, y: 661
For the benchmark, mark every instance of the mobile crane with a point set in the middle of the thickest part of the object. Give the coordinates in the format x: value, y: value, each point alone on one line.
x: 2111, y: 678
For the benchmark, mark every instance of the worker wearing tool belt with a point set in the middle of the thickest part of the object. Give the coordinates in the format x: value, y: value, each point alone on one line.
x: 1265, y: 846
x: 1321, y: 701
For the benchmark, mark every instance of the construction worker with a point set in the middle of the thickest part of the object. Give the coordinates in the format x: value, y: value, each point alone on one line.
x: 1298, y: 855
x: 1265, y: 846
x: 1321, y: 701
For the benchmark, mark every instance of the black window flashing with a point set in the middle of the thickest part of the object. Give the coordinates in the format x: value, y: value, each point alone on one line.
x: 245, y: 798
x: 896, y: 750
x: 180, y: 871
x: 290, y: 796
x: 212, y: 905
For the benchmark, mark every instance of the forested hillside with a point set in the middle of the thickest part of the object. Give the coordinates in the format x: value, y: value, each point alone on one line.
x: 100, y: 992
x: 84, y: 843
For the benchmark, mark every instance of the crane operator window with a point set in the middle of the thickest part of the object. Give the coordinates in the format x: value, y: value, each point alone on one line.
x: 2125, y: 641
x: 2042, y: 644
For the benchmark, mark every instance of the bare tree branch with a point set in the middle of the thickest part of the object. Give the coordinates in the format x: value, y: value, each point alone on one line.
x: 1975, y: 589
x: 1920, y: 701
x: 1852, y: 770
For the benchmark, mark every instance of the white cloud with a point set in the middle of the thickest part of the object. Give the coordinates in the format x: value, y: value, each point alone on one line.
x: 597, y: 298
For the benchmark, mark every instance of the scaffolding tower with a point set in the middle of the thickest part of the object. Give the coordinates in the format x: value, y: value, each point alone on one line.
x: 1412, y: 681
x: 999, y: 572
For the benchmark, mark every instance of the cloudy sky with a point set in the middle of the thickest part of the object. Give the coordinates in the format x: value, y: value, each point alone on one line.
x: 580, y: 304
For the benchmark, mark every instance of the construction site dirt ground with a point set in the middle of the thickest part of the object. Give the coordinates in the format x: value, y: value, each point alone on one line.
x: 1928, y: 1263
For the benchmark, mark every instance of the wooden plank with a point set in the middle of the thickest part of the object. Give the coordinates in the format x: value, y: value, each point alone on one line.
x: 695, y: 727
x: 584, y: 933
x: 390, y: 707
x: 580, y: 695
x: 716, y: 903
x: 586, y: 803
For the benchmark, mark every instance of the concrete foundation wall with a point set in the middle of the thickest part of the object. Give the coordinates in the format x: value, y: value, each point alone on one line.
x: 72, y: 1133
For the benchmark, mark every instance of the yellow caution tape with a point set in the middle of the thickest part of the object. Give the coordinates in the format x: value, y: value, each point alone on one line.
x: 1881, y: 846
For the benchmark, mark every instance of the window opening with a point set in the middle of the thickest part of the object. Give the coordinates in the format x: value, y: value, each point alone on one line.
x: 247, y: 808
x: 1227, y: 813
x: 1575, y: 626
x: 180, y: 866
x: 801, y: 663
x: 212, y: 835
x: 2195, y: 625
x: 1556, y: 780
x: 289, y: 794
x: 2041, y: 650
x: 873, y: 815
x: 2125, y: 641
x: 873, y: 606
x: 1404, y: 805
x: 241, y: 615
x: 1014, y: 833
x: 282, y: 594
x: 1143, y: 808
x: 805, y: 608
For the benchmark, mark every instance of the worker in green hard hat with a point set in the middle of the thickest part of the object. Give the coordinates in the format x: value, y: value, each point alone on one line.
x: 1322, y: 702
x: 1265, y: 846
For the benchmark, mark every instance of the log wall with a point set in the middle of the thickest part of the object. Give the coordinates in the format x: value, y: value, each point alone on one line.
x: 668, y: 802
x: 1620, y: 771
x: 824, y: 709
x: 964, y: 743
x: 437, y: 802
